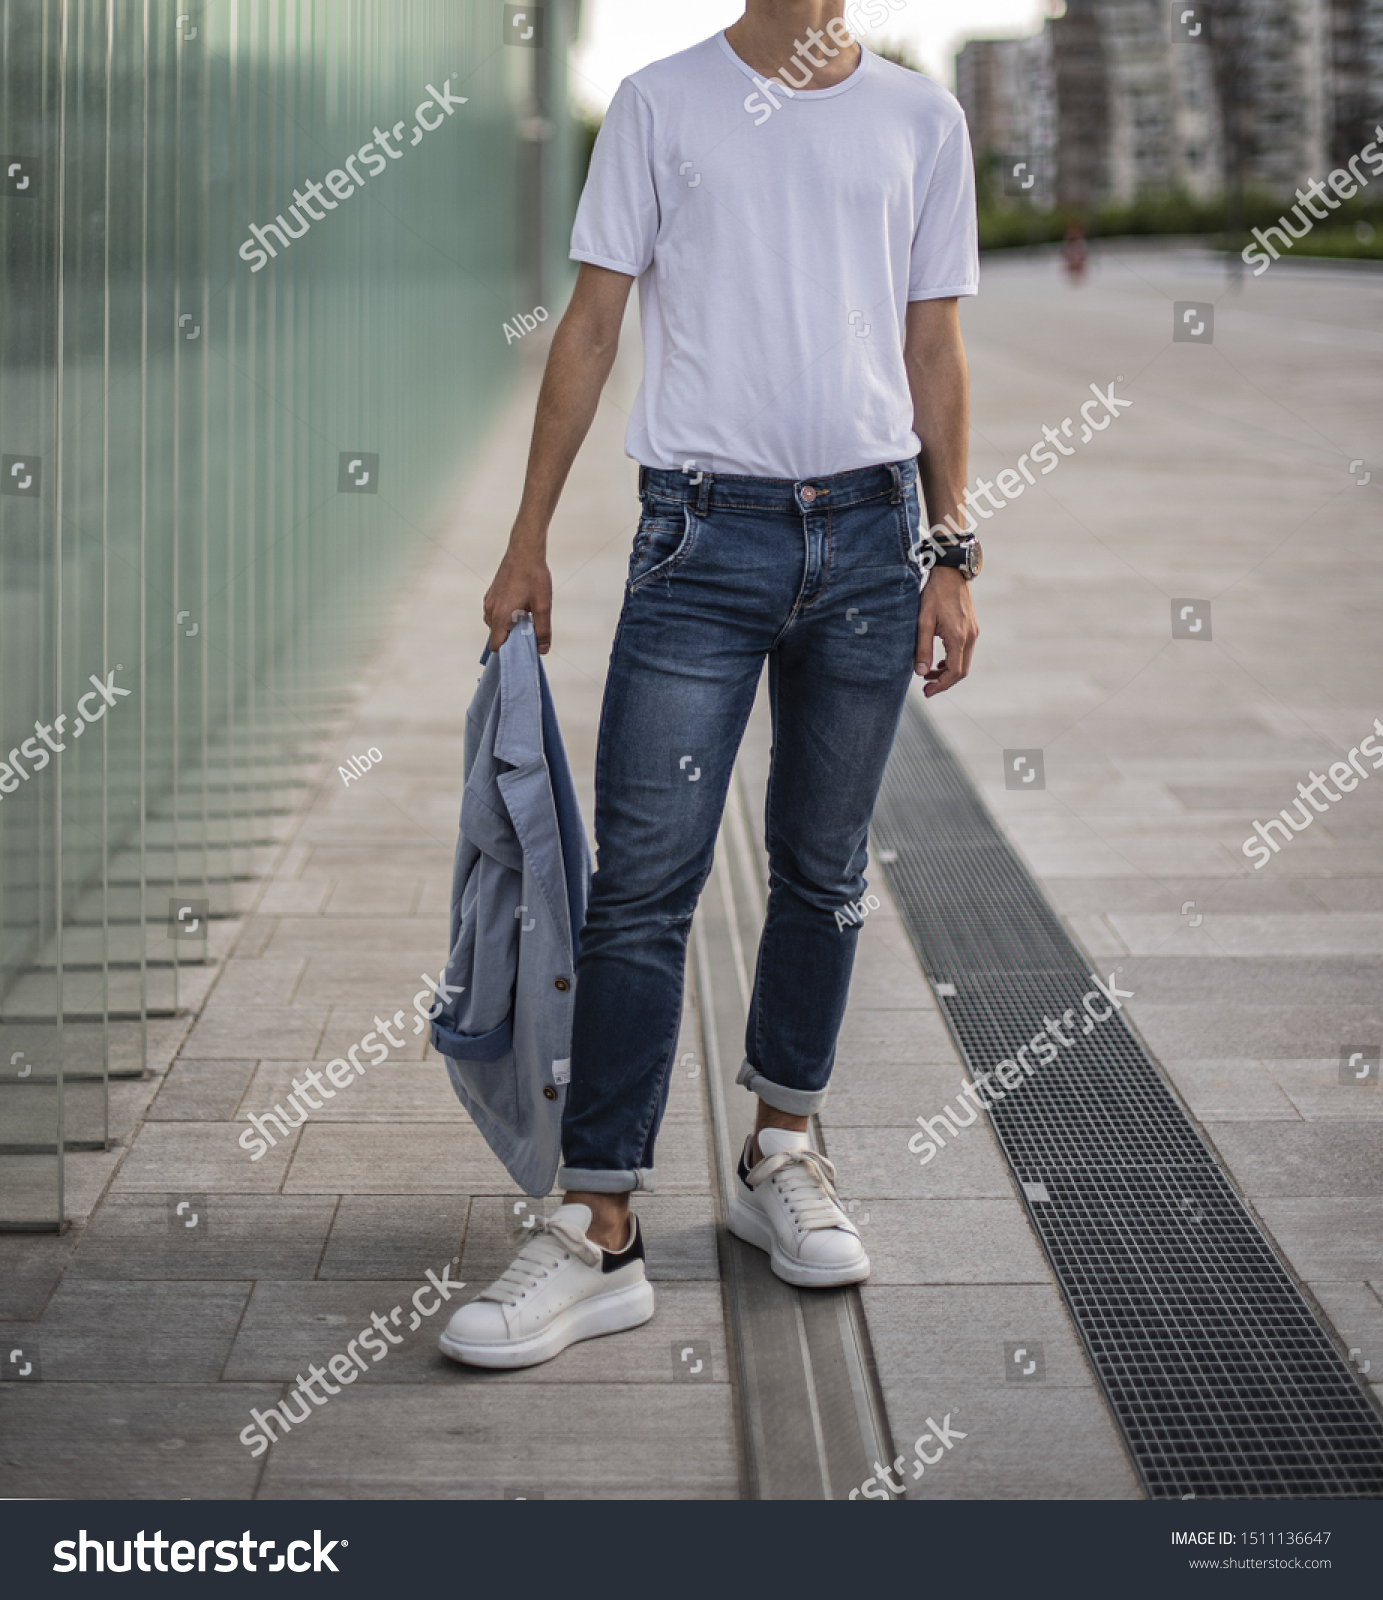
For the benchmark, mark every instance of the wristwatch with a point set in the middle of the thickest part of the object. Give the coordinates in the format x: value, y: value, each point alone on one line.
x: 965, y: 558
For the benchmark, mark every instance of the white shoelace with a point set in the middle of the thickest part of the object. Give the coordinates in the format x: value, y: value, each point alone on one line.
x: 807, y: 1183
x: 552, y: 1243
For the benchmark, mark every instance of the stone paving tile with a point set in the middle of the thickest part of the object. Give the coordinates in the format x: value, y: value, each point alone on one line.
x: 476, y: 1440
x: 130, y: 1441
x: 392, y: 897
x: 259, y: 981
x: 1289, y: 1032
x: 867, y: 1093
x: 1302, y: 1158
x: 904, y: 1034
x: 102, y: 1331
x: 949, y: 1241
x: 1314, y: 1087
x: 349, y: 1024
x: 295, y: 897
x: 395, y: 1091
x: 1145, y: 896
x: 1356, y: 1310
x: 1052, y: 1445
x: 1227, y: 1091
x: 384, y: 1236
x: 235, y: 1236
x: 959, y: 1333
x: 1324, y: 1239
x: 1349, y: 894
x: 201, y: 1091
x: 31, y: 1267
x: 393, y: 1158
x: 1266, y: 980
x: 1297, y: 933
x: 127, y: 1104
x: 289, y: 1326
x: 354, y: 981
x: 87, y: 1176
x: 875, y: 1163
x: 165, y: 1036
x: 200, y: 1157
x: 233, y: 1032
x: 348, y: 860
x: 405, y: 939
x: 1093, y: 933
x: 882, y: 986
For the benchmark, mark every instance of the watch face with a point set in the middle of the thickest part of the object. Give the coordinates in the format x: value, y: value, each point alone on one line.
x: 974, y: 558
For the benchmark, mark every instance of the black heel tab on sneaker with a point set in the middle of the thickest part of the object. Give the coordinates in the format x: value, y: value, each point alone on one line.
x: 613, y: 1260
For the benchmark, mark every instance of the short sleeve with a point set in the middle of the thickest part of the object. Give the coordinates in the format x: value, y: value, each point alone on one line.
x: 617, y: 219
x: 945, y: 248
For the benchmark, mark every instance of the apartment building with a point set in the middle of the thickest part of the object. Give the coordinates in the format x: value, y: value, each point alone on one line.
x: 1121, y: 100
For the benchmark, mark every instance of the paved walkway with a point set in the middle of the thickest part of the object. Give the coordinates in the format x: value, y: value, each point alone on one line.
x: 156, y: 1343
x: 1227, y: 481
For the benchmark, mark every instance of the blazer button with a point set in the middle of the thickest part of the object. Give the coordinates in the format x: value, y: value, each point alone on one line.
x: 562, y: 984
x: 549, y: 1093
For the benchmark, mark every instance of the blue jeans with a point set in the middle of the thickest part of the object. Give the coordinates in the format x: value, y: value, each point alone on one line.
x: 821, y: 577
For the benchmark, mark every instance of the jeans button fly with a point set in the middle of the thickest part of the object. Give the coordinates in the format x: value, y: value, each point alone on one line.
x: 809, y: 494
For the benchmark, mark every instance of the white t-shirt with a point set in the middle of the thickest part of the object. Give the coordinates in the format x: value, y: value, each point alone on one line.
x: 776, y: 255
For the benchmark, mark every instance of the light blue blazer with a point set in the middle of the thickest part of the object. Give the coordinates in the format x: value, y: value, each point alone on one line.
x: 518, y: 900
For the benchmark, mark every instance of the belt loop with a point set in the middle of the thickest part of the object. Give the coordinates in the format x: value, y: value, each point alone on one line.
x: 703, y: 499
x: 643, y: 480
x: 897, y: 483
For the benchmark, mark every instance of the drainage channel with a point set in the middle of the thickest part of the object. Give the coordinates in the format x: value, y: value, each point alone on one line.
x: 812, y: 1417
x: 1221, y: 1377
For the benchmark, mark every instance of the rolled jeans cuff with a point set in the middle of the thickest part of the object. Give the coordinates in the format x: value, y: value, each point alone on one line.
x: 592, y: 1180
x: 797, y: 1102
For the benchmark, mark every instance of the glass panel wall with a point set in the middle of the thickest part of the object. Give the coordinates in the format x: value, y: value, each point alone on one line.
x: 257, y: 256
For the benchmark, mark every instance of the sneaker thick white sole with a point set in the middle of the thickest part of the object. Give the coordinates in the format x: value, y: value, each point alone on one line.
x: 614, y: 1312
x: 747, y: 1222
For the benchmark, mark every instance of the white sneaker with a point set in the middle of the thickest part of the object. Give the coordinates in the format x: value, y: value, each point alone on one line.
x: 786, y: 1204
x: 560, y: 1288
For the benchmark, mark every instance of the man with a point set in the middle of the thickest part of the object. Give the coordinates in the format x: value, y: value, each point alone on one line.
x: 800, y: 217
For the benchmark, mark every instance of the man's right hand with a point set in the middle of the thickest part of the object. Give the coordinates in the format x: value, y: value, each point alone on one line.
x: 523, y: 583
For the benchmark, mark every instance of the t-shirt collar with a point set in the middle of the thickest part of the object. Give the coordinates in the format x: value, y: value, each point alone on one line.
x: 806, y: 93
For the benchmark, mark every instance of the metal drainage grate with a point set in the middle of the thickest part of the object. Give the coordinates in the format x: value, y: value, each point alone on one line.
x: 1219, y: 1374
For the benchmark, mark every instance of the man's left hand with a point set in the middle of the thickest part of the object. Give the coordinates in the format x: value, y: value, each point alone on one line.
x: 948, y: 613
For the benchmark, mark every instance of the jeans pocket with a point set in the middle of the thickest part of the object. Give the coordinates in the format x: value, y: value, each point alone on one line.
x: 910, y: 539
x: 662, y: 543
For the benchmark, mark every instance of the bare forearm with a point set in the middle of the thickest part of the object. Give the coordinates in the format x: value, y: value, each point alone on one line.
x: 578, y: 366
x: 582, y: 354
x: 939, y: 380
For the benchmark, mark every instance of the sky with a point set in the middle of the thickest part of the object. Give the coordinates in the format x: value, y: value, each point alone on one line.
x: 620, y: 36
